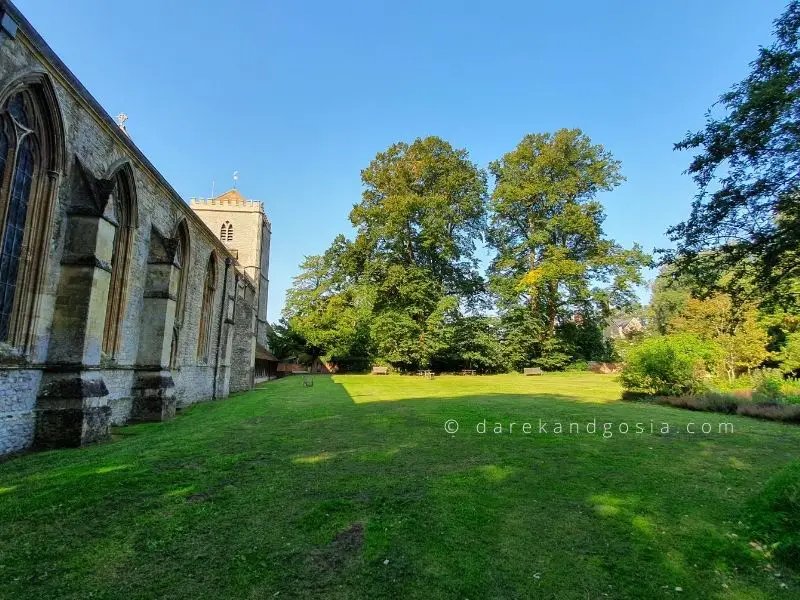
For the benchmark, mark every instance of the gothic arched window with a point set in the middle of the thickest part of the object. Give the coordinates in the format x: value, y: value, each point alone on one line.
x: 30, y: 138
x: 207, y: 309
x: 182, y: 258
x: 5, y: 144
x: 16, y: 209
x: 124, y: 206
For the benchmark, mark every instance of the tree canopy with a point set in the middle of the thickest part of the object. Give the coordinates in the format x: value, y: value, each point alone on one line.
x: 407, y: 289
x: 552, y: 255
x: 397, y: 290
x: 747, y: 211
x: 421, y: 214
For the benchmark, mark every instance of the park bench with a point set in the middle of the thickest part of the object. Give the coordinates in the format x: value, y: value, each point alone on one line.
x: 468, y: 372
x: 380, y: 370
x: 533, y: 371
x: 426, y: 374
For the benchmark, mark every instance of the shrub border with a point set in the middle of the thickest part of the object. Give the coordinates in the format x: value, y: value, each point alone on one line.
x: 723, y: 403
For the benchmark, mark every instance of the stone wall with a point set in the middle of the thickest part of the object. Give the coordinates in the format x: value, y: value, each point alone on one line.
x: 244, y: 342
x: 194, y: 383
x: 263, y: 286
x: 17, y: 398
x: 65, y: 346
x: 119, y: 383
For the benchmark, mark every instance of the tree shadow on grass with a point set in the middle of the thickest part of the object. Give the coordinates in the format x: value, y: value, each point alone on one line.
x: 305, y: 493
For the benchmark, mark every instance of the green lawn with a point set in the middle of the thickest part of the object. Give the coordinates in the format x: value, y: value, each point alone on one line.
x: 353, y: 489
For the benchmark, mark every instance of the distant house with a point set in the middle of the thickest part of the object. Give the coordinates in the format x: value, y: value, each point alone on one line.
x: 624, y: 328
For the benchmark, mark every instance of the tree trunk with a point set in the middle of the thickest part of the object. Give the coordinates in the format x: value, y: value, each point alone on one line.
x: 552, y: 308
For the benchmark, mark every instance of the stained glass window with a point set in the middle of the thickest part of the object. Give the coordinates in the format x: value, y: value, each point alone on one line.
x: 17, y: 212
x: 16, y: 106
x: 4, y: 147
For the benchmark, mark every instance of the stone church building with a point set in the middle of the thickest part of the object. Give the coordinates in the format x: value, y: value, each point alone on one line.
x: 246, y: 233
x: 119, y: 302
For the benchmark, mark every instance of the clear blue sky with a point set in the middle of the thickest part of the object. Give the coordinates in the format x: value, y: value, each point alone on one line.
x: 299, y: 96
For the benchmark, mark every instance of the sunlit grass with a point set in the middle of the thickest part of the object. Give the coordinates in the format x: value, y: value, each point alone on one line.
x: 310, y: 460
x: 581, y: 387
x: 111, y: 468
x: 353, y: 489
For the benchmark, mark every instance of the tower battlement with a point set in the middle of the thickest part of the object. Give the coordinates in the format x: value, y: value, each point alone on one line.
x: 243, y: 227
x: 231, y: 200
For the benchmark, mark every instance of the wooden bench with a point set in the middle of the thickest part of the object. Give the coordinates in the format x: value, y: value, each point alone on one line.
x: 468, y: 372
x: 426, y: 374
x: 380, y: 370
x: 533, y: 371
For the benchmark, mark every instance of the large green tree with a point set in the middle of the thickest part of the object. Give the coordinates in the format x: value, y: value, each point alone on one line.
x: 748, y: 173
x: 287, y: 343
x: 424, y: 205
x: 329, y: 306
x: 421, y: 215
x: 552, y: 255
x: 400, y: 287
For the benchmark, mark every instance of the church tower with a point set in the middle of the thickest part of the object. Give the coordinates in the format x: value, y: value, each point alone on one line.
x: 244, y: 228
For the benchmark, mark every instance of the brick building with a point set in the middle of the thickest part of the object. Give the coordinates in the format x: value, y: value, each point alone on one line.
x: 118, y: 303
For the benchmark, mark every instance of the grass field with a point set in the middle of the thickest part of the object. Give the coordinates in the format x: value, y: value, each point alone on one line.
x: 353, y: 489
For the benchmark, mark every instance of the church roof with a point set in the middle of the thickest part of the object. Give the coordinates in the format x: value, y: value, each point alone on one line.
x: 233, y: 196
